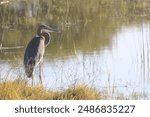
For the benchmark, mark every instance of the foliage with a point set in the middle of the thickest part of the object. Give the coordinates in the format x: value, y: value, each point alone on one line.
x: 30, y: 13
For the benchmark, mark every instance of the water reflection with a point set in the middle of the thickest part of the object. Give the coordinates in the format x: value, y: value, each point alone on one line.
x: 121, y: 61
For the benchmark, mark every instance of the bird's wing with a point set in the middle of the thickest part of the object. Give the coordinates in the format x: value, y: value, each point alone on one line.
x: 30, y: 56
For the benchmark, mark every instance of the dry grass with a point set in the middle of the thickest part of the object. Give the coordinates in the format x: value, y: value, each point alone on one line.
x: 20, y: 90
x: 14, y: 90
x: 81, y: 92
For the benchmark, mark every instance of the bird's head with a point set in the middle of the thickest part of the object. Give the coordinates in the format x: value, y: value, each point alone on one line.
x: 44, y: 30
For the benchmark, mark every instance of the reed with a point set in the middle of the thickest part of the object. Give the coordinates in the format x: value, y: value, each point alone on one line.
x: 28, y: 15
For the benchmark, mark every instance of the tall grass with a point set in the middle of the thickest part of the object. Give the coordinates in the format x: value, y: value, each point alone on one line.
x: 68, y: 12
x: 19, y: 90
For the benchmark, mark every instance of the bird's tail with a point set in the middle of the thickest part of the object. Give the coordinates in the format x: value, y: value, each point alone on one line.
x: 29, y: 68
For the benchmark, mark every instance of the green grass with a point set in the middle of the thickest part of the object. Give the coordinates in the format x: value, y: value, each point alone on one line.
x: 58, y: 11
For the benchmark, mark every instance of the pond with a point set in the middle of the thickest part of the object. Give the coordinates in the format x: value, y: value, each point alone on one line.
x: 109, y: 54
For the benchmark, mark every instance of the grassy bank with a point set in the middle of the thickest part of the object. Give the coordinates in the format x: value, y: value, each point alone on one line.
x: 20, y: 90
x: 16, y: 90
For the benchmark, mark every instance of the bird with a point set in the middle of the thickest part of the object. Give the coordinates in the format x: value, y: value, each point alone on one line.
x: 35, y: 49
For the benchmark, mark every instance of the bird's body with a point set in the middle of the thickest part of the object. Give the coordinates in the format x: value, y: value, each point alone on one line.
x: 34, y: 54
x: 35, y: 50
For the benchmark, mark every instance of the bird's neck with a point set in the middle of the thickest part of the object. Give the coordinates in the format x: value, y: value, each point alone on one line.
x: 42, y: 37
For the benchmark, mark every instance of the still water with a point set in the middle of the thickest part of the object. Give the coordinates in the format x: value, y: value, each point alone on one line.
x: 118, y: 63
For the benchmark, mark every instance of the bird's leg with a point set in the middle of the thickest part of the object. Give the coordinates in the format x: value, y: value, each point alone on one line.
x: 40, y: 74
x: 32, y: 80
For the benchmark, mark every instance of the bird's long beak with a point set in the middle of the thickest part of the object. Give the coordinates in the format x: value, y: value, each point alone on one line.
x: 51, y: 29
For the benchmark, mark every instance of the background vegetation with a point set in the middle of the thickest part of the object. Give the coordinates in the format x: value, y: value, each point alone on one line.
x: 27, y: 14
